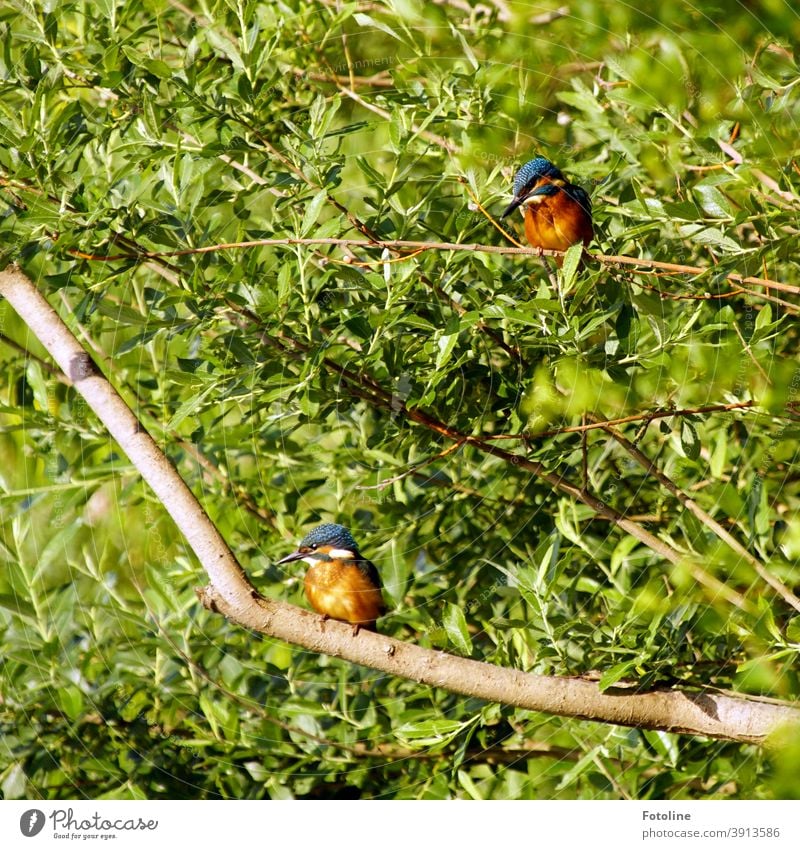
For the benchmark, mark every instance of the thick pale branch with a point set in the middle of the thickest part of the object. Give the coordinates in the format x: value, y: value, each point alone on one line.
x: 155, y: 468
x: 710, y: 713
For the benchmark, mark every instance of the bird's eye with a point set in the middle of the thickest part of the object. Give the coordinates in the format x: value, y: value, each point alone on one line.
x: 314, y: 547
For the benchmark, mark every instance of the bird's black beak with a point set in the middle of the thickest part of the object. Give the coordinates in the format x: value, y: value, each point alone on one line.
x: 290, y: 558
x: 514, y: 204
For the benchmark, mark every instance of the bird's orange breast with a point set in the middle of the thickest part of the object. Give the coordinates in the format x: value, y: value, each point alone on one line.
x: 342, y: 591
x: 556, y: 222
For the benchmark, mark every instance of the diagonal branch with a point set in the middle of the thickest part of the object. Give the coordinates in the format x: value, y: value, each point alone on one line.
x: 529, y: 436
x: 709, y: 521
x: 364, y: 386
x: 710, y: 713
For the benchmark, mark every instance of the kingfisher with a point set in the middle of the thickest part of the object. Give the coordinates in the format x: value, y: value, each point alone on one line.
x: 340, y: 582
x: 557, y: 213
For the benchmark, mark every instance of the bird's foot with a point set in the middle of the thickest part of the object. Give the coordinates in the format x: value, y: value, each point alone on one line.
x: 356, y: 628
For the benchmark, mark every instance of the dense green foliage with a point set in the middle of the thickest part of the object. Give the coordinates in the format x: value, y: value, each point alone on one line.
x: 280, y: 380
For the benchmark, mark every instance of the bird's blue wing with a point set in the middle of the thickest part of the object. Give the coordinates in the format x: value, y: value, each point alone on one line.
x: 368, y: 568
x: 579, y: 196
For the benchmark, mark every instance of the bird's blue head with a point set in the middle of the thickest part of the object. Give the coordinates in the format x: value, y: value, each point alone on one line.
x: 528, y: 176
x: 324, y: 542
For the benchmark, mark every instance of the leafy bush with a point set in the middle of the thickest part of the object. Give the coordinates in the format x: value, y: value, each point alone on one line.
x: 297, y: 383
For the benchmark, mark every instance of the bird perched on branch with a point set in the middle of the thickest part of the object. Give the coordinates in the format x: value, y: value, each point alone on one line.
x: 558, y: 214
x: 340, y: 583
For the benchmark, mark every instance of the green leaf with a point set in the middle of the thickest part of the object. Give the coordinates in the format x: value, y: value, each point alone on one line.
x: 158, y: 68
x: 445, y: 343
x: 70, y: 700
x: 225, y: 45
x: 19, y: 607
x: 714, y: 203
x: 312, y: 212
x: 210, y: 711
x: 465, y: 48
x: 469, y: 785
x: 710, y: 236
x: 569, y: 269
x: 368, y: 21
x: 13, y: 782
x: 615, y: 673
x: 190, y: 406
x: 719, y: 455
x: 664, y: 744
x: 135, y: 707
x: 429, y: 732
x: 764, y: 317
x: 757, y: 507
x: 455, y: 625
x: 690, y: 441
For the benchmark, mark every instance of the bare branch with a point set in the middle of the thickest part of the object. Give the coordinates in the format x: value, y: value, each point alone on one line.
x: 637, y: 417
x: 406, y: 244
x: 710, y: 713
x: 693, y: 507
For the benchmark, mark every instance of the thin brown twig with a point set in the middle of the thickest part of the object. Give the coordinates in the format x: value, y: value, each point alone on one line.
x: 584, y: 455
x: 637, y: 417
x: 382, y: 79
x: 407, y: 244
x: 386, y: 115
x: 45, y: 366
x: 716, y: 167
x: 677, y: 296
x: 414, y: 469
x: 364, y: 386
x: 376, y: 263
x: 787, y: 305
x: 548, y: 17
x: 777, y: 585
x: 750, y: 354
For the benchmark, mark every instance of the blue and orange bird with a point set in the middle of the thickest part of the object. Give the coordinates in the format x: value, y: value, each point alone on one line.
x: 558, y: 214
x: 340, y: 583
